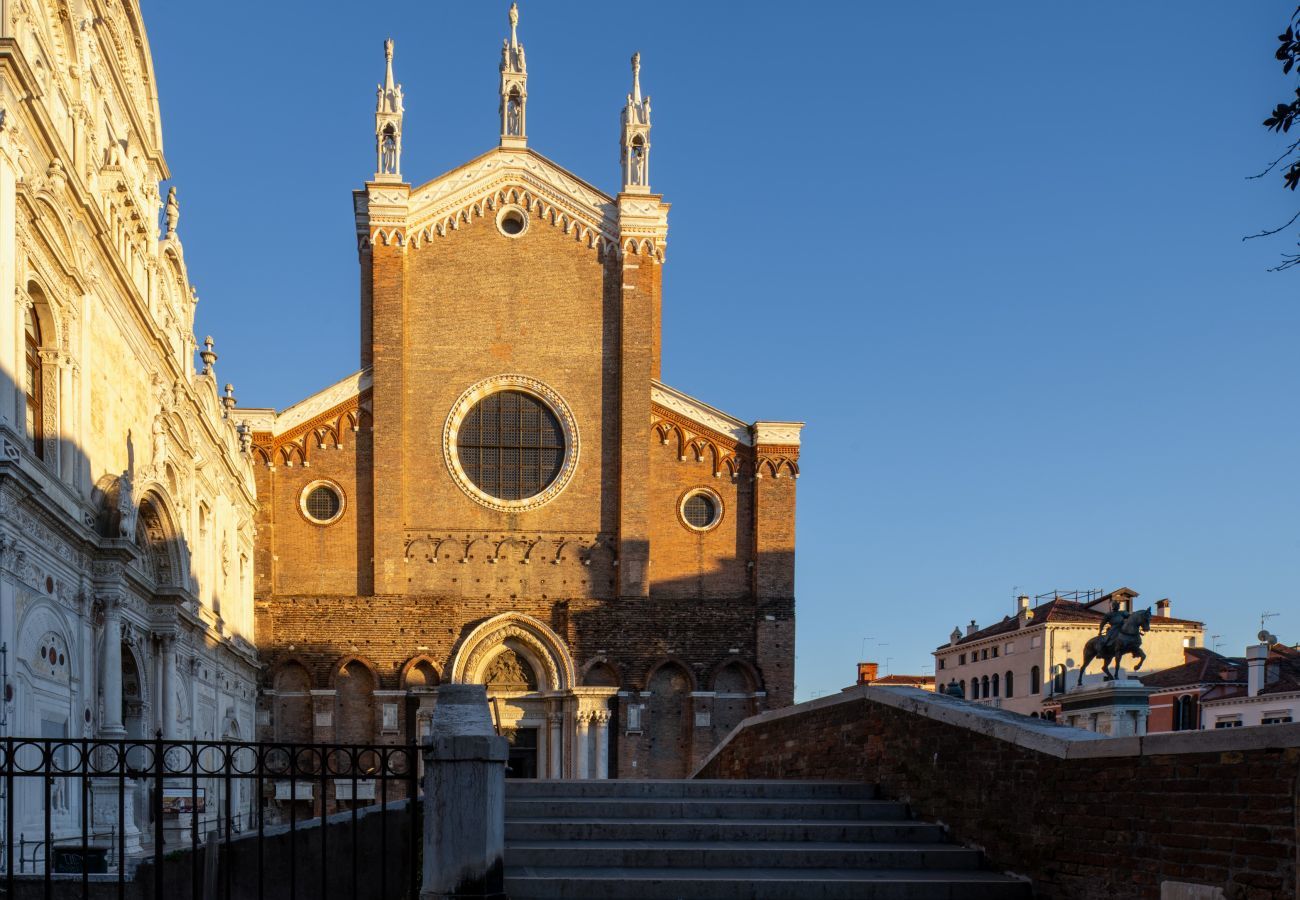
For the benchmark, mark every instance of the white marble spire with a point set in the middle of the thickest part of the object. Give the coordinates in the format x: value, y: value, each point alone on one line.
x: 635, y: 142
x: 388, y: 123
x: 514, y: 87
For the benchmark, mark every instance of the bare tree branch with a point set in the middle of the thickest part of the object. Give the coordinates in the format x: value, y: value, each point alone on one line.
x: 1273, y: 164
x: 1272, y: 230
x: 1292, y: 260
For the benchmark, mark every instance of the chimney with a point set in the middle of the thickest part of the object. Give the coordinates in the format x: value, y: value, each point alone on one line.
x: 1256, y: 660
x: 971, y: 628
x: 867, y: 672
x: 1022, y: 603
x: 954, y: 637
x: 1164, y: 608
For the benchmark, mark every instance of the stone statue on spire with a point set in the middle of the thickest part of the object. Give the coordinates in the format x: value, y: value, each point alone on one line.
x: 514, y: 87
x: 388, y: 123
x: 636, y: 136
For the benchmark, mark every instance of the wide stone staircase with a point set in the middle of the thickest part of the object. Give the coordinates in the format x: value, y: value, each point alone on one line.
x: 766, y: 840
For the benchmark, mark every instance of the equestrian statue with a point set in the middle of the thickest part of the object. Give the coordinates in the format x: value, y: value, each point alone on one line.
x: 1122, y: 634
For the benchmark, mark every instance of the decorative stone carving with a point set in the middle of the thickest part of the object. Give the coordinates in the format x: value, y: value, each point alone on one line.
x: 173, y: 212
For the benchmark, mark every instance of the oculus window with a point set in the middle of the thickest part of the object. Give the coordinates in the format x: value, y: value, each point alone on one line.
x: 700, y: 509
x: 511, y: 445
x: 322, y: 503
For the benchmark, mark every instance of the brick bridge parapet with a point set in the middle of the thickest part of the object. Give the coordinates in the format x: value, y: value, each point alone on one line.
x: 1082, y: 815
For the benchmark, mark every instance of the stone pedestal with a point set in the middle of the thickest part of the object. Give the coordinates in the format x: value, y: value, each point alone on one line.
x: 464, y: 799
x: 1114, y: 708
x: 105, y: 799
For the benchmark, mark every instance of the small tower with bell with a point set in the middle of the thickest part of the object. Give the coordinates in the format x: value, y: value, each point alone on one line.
x: 388, y: 124
x: 636, y: 136
x: 514, y: 87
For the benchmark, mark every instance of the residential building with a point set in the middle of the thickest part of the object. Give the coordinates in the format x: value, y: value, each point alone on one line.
x: 1270, y: 696
x: 1027, y: 659
x: 1177, y: 693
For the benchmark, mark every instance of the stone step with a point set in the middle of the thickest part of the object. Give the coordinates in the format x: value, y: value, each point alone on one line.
x: 662, y: 789
x: 740, y: 855
x: 702, y: 808
x: 614, y: 883
x: 757, y: 830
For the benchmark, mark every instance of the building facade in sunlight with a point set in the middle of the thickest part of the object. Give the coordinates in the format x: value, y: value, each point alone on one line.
x: 506, y: 491
x: 126, y: 499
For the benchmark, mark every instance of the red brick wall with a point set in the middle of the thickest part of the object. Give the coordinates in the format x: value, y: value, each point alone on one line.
x: 689, y: 563
x: 415, y: 563
x: 1109, y: 828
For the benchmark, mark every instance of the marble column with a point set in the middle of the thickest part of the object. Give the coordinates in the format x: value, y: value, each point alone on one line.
x: 67, y: 462
x: 167, y: 687
x: 111, y: 677
x: 602, y: 744
x: 555, y: 753
x: 582, y: 746
x: 10, y: 307
x: 108, y: 792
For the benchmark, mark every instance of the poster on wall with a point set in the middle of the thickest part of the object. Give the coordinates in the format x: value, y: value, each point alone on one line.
x: 183, y: 800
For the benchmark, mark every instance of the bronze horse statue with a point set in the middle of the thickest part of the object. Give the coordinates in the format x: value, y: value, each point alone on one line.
x: 1109, y: 647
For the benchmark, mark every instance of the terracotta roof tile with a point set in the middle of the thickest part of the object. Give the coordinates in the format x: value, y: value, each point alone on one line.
x: 1057, y: 610
x: 905, y: 679
x: 1202, y: 666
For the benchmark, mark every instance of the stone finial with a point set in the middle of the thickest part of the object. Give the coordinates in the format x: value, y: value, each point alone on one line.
x: 636, y: 77
x: 229, y: 401
x: 208, y: 355
x: 514, y: 25
x: 173, y: 212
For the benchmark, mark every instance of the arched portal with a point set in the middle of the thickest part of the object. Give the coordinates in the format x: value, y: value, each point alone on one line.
x: 534, y: 699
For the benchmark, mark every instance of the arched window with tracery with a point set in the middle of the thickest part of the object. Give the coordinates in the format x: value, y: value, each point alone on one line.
x: 34, y: 384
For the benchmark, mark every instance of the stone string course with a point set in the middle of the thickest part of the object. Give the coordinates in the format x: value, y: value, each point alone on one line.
x: 1081, y: 815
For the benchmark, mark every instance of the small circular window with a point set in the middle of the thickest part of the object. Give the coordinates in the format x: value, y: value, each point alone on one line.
x: 512, y: 221
x: 322, y: 503
x: 701, y: 509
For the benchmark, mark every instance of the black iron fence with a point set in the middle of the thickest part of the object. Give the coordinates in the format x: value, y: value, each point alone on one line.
x: 204, y: 819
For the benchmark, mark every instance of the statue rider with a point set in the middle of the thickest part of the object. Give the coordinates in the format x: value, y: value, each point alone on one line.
x: 1115, y: 619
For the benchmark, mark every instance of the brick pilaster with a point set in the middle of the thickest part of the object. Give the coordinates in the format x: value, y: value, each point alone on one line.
x: 387, y: 277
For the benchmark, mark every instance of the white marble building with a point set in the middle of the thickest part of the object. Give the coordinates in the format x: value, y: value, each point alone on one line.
x: 126, y: 494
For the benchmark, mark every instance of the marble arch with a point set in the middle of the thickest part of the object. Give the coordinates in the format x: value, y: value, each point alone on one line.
x: 543, y: 648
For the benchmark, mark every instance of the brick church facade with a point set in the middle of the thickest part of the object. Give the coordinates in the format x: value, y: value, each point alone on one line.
x: 508, y: 493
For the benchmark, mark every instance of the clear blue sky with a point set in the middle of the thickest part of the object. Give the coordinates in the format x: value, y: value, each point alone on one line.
x: 991, y: 253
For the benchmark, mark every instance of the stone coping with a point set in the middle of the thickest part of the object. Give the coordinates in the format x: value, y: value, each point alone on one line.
x: 1040, y: 735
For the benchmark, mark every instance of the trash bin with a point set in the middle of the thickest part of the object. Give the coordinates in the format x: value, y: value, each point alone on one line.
x: 69, y: 859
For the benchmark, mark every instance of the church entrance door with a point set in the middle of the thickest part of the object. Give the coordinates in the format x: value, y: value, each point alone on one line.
x: 523, y: 753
